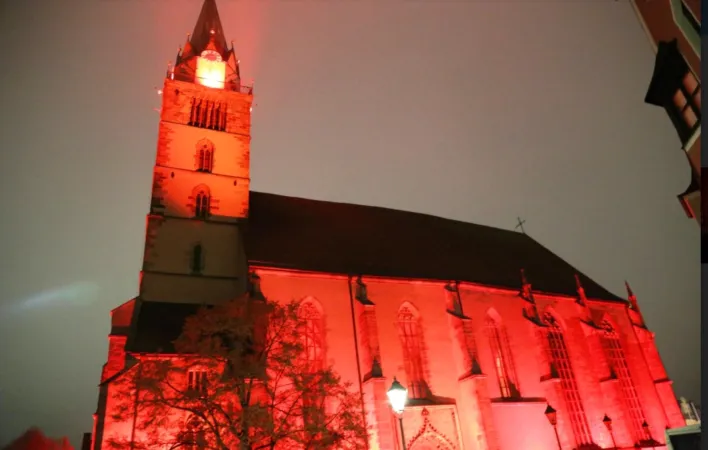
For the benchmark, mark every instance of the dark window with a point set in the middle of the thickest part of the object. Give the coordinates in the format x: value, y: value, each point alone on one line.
x: 197, y: 264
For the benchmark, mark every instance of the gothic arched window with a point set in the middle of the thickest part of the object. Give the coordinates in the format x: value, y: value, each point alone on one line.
x: 205, y: 156
x: 560, y: 361
x: 202, y: 201
x: 618, y: 362
x: 502, y: 359
x: 412, y: 342
x: 312, y: 335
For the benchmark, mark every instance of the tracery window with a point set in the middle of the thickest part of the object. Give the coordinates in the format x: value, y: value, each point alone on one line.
x: 560, y: 360
x: 501, y: 356
x: 412, y: 342
x: 618, y: 362
x: 312, y: 335
x: 205, y: 156
x: 201, y: 204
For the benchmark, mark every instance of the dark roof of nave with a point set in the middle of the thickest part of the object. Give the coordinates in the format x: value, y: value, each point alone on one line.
x: 313, y: 235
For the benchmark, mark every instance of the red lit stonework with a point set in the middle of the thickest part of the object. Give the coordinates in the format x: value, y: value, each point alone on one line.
x: 445, y: 307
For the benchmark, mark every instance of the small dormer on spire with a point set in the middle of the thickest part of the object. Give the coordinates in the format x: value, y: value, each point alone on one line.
x: 634, y: 313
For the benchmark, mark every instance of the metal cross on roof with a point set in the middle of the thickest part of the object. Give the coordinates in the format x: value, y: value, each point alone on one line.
x: 520, y: 225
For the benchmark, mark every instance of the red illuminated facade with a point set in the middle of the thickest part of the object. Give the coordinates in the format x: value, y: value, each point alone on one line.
x: 485, y: 327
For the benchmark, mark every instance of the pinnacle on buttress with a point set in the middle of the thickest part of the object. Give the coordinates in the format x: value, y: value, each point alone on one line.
x: 636, y: 314
x: 530, y: 311
x: 582, y: 299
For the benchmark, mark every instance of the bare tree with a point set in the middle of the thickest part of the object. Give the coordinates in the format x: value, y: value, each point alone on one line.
x: 242, y: 377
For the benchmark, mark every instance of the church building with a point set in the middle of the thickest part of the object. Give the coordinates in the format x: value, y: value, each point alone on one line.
x: 487, y: 329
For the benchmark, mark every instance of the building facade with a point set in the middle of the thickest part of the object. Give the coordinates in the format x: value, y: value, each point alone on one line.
x: 674, y: 28
x: 485, y: 327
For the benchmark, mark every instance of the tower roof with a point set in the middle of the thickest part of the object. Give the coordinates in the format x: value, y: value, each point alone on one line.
x: 207, y: 28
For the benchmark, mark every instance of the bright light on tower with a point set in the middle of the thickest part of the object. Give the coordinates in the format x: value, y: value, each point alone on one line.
x: 211, y: 70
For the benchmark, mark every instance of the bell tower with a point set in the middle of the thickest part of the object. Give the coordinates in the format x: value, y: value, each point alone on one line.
x: 193, y: 249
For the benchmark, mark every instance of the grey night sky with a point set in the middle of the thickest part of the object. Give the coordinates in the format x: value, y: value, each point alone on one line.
x: 474, y: 110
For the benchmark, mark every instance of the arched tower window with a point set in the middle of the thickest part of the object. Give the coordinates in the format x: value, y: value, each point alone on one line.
x: 410, y: 332
x: 194, y: 437
x: 202, y: 201
x: 205, y: 156
x: 312, y: 335
x: 560, y: 361
x: 197, y: 259
x: 501, y: 356
x: 618, y: 362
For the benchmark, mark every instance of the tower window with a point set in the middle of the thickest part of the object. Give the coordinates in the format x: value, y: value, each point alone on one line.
x: 616, y: 358
x: 197, y: 382
x: 501, y: 355
x: 560, y: 360
x: 197, y: 260
x: 412, y: 342
x: 201, y: 205
x: 205, y: 156
x: 207, y: 114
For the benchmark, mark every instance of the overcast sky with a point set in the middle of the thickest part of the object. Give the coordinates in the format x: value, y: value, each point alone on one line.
x: 474, y: 110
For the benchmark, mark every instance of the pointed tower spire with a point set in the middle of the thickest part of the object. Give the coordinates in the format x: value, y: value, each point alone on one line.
x: 635, y: 313
x: 208, y: 28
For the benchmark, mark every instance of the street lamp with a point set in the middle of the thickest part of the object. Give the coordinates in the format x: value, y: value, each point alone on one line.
x: 397, y: 397
x: 647, y: 433
x: 552, y: 417
x: 608, y: 424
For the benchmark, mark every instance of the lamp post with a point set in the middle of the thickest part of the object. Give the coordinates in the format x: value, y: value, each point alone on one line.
x: 647, y: 433
x: 552, y: 417
x: 608, y: 424
x: 397, y: 397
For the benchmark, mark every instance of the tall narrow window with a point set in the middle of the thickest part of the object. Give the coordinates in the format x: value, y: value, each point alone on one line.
x: 412, y: 342
x: 201, y: 205
x: 560, y: 360
x: 617, y: 360
x: 197, y: 262
x: 501, y: 355
x: 205, y: 156
x: 312, y: 335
